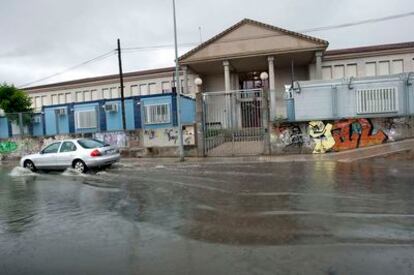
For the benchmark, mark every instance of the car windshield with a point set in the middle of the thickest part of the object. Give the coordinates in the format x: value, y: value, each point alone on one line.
x: 91, y: 143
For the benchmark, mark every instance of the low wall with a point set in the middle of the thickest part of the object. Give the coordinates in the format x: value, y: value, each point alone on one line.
x: 321, y: 137
x: 16, y: 147
x: 149, y: 143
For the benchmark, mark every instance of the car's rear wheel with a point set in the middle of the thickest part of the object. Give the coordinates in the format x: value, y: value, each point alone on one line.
x: 80, y: 166
x: 28, y: 164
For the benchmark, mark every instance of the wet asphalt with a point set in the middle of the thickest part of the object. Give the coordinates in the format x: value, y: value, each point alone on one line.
x: 163, y: 217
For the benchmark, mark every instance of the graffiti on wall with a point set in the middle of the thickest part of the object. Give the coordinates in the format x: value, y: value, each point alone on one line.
x: 396, y: 128
x: 118, y: 139
x: 7, y: 147
x: 292, y: 138
x: 322, y: 136
x: 356, y: 133
x: 167, y: 137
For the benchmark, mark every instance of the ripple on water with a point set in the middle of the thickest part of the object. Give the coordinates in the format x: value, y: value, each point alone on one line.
x: 72, y: 173
x: 21, y: 172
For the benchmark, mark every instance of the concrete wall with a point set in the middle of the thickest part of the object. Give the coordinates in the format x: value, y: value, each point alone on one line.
x: 338, y: 135
x: 21, y: 146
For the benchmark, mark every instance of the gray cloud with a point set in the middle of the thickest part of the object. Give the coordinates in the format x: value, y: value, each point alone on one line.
x: 42, y: 37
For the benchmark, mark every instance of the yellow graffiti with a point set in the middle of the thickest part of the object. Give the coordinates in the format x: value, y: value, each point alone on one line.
x: 322, y: 136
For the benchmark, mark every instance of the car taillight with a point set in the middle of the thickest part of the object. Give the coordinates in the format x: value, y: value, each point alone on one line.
x: 96, y: 153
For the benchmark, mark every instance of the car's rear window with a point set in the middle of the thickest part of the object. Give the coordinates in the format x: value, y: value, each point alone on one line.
x: 91, y: 143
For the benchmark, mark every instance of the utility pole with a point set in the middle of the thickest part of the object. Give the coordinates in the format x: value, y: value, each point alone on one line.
x: 178, y: 86
x: 121, y: 78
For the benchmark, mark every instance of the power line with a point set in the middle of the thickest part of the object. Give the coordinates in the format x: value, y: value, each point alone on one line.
x: 156, y: 47
x: 191, y: 44
x: 362, y: 22
x: 95, y: 59
x: 332, y: 27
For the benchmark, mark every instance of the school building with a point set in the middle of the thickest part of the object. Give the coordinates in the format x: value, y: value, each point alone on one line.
x: 232, y: 61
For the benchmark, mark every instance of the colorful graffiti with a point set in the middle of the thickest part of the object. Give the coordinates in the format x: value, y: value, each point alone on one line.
x: 322, y: 136
x: 7, y: 147
x: 356, y: 133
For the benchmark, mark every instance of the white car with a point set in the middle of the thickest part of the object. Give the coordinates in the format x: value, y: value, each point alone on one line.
x: 80, y: 154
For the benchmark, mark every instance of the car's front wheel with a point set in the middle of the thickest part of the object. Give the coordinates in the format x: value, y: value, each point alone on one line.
x: 80, y: 166
x: 28, y: 164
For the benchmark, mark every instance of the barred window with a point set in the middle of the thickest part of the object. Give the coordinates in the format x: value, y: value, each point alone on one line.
x: 377, y: 101
x: 155, y: 114
x: 86, y: 119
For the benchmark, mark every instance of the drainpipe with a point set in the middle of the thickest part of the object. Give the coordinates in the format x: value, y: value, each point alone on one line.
x: 334, y: 101
x: 407, y: 86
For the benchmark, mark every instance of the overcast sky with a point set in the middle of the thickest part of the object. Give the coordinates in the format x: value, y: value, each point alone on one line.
x: 41, y: 37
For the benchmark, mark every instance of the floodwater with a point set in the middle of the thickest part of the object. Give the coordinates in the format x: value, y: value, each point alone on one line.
x: 210, y: 218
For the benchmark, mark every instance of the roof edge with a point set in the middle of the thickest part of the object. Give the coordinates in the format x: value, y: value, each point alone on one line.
x: 100, y: 78
x: 371, y: 48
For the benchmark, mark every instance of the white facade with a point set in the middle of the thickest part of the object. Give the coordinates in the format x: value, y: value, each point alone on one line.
x: 366, y: 65
x: 83, y: 91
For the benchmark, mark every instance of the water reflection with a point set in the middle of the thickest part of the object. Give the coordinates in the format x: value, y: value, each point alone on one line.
x: 18, y: 202
x: 129, y: 215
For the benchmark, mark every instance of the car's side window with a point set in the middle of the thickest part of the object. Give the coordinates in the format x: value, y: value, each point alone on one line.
x: 68, y: 147
x: 53, y: 148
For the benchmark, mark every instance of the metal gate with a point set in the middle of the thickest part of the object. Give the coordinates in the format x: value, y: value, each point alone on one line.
x: 235, y: 122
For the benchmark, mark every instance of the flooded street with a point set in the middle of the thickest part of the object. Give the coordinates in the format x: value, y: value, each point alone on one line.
x: 210, y: 218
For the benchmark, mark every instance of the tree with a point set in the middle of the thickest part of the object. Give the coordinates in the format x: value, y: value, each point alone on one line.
x: 13, y: 100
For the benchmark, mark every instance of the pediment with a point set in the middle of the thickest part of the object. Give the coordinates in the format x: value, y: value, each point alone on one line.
x: 249, y: 38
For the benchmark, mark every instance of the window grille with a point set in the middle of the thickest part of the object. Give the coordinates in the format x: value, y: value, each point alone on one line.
x: 86, y: 119
x: 377, y: 101
x: 156, y: 114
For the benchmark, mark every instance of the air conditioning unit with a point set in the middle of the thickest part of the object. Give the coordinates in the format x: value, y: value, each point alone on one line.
x: 37, y: 120
x: 111, y: 107
x: 61, y: 112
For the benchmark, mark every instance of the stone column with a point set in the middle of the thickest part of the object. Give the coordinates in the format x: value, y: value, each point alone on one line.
x: 272, y: 87
x: 227, y: 82
x: 200, y: 123
x: 318, y: 65
x: 185, y: 76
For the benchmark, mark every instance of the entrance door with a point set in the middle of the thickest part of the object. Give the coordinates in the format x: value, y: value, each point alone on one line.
x: 251, y: 105
x: 235, y: 122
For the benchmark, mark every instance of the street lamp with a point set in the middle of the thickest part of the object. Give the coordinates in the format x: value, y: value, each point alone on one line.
x: 178, y: 86
x: 264, y: 76
x: 198, y: 82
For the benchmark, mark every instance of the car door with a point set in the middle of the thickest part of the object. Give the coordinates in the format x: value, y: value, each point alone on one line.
x: 48, y: 156
x: 66, y: 154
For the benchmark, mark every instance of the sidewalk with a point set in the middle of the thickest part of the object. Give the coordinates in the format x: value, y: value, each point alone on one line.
x: 383, y: 150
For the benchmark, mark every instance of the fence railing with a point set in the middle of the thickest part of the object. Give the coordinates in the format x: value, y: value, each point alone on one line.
x: 21, y: 124
x: 379, y: 96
